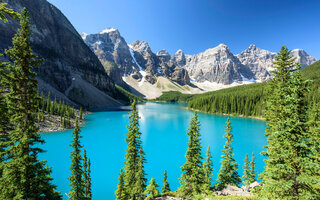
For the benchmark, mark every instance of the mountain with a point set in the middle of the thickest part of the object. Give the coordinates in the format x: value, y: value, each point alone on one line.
x: 135, y: 66
x: 110, y: 48
x: 302, y: 57
x: 259, y: 60
x: 71, y: 71
x: 150, y: 73
x: 217, y: 65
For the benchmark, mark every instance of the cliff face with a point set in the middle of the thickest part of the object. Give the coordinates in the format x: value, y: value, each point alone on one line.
x: 260, y: 61
x: 69, y: 64
x: 217, y: 65
x: 135, y: 60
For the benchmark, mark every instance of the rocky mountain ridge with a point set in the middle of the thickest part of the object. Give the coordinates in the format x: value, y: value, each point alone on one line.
x: 71, y: 71
x: 212, y: 69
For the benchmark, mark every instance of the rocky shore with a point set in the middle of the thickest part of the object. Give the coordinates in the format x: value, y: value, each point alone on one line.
x: 229, y: 192
x: 52, y: 123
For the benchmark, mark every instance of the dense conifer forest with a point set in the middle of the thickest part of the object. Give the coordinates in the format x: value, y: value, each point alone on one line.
x: 244, y: 100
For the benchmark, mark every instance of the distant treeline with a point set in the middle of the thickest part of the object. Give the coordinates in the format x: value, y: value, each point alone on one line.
x: 246, y: 100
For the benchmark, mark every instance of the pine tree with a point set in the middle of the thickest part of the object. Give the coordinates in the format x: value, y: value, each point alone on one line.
x: 24, y: 175
x: 80, y: 114
x: 252, y: 170
x: 135, y: 158
x: 246, y: 171
x: 165, y: 187
x: 151, y: 190
x: 288, y: 173
x: 76, y: 184
x: 207, y: 169
x: 120, y: 192
x: 191, y: 179
x: 48, y: 104
x: 55, y: 106
x: 228, y: 174
x: 86, y: 178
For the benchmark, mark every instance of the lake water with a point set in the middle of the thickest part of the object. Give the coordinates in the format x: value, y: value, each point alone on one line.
x: 163, y: 128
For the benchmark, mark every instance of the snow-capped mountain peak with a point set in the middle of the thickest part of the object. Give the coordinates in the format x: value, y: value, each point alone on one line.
x: 84, y: 35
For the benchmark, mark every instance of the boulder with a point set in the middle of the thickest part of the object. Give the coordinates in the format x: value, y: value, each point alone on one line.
x: 233, y: 190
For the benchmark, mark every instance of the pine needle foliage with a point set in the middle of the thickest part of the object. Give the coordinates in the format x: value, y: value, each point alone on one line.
x: 120, y: 192
x: 86, y: 176
x: 253, y: 176
x: 24, y: 176
x: 76, y: 182
x: 228, y: 174
x: 151, y: 190
x: 4, y: 10
x: 165, y: 186
x: 207, y: 170
x: 192, y: 176
x: 134, y: 174
x: 288, y: 173
x: 246, y: 171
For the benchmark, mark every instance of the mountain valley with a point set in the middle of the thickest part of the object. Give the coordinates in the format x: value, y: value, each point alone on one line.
x: 136, y: 67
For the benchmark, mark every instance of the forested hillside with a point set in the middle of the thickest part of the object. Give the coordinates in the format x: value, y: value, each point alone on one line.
x: 248, y: 100
x: 244, y: 100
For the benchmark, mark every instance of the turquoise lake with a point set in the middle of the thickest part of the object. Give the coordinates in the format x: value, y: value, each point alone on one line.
x: 163, y: 127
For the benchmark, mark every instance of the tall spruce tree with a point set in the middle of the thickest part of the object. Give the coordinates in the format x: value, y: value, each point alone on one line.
x: 151, y: 190
x: 228, y: 174
x: 140, y: 184
x: 86, y: 177
x: 246, y: 171
x: 287, y: 173
x: 253, y: 172
x: 207, y: 169
x: 165, y: 187
x: 134, y: 175
x: 191, y: 179
x: 120, y: 192
x: 76, y: 181
x: 24, y: 176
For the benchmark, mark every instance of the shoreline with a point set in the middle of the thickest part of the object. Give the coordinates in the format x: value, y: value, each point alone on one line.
x: 46, y: 127
x: 224, y: 114
x: 52, y: 124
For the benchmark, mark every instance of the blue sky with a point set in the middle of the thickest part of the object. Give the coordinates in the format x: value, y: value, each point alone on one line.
x: 196, y: 25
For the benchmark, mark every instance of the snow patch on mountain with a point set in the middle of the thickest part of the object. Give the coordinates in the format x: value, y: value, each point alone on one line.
x: 143, y: 73
x: 134, y: 59
x: 245, y: 80
x: 84, y: 35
